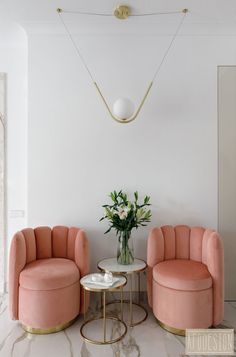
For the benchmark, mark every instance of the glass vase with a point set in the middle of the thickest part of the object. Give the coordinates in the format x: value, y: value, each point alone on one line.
x: 125, y: 250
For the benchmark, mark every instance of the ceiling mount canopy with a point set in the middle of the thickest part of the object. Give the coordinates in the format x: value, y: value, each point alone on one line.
x: 123, y: 109
x: 122, y: 12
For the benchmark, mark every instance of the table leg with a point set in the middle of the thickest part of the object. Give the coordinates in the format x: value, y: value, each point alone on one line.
x: 130, y: 299
x: 101, y: 296
x: 104, y: 316
x: 139, y: 287
x: 84, y: 304
x: 121, y: 304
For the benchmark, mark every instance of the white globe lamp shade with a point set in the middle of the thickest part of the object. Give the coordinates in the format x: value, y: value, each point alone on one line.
x: 123, y: 108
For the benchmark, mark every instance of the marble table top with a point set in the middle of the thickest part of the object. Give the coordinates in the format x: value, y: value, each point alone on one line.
x: 86, y: 282
x: 111, y: 264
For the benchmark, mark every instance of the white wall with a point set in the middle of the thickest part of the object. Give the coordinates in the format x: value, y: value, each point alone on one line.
x: 78, y: 154
x: 13, y: 62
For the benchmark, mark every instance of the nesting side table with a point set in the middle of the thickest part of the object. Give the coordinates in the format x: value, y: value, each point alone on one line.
x: 138, y: 266
x: 118, y: 285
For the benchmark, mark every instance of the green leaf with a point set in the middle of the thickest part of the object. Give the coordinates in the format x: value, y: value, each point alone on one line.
x: 137, y: 215
x: 108, y: 230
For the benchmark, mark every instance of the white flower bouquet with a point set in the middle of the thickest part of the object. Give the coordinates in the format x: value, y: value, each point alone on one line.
x: 124, y: 215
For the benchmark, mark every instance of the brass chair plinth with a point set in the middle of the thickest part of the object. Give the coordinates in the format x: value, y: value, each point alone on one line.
x: 41, y: 331
x: 175, y: 331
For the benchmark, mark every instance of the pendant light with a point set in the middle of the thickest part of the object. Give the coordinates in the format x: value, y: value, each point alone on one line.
x: 123, y: 108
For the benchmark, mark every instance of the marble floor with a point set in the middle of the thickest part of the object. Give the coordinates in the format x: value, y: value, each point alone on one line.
x: 147, y: 339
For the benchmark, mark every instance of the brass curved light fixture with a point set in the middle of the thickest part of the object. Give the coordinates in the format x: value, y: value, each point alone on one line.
x: 123, y: 111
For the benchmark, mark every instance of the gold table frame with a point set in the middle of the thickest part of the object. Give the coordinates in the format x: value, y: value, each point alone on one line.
x: 103, y: 317
x: 130, y: 301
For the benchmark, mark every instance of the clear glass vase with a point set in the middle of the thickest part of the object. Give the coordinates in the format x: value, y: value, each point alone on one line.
x: 125, y: 250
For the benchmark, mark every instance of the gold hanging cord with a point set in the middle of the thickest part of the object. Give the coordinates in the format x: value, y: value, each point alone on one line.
x: 128, y: 120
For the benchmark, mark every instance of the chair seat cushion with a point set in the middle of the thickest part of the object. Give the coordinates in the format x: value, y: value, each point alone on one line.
x: 181, y: 274
x: 49, y: 274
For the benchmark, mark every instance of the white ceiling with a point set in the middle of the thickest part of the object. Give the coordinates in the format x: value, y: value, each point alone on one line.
x: 42, y: 13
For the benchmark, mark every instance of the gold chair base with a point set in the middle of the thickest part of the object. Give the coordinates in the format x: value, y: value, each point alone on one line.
x: 42, y: 331
x: 175, y: 331
x: 104, y: 341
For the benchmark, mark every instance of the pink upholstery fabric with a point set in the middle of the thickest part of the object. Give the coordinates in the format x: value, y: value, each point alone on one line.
x: 182, y: 236
x: 215, y: 263
x: 155, y: 254
x: 182, y: 274
x: 155, y: 248
x: 169, y: 242
x: 59, y: 242
x: 49, y: 274
x: 196, y: 236
x: 30, y: 243
x: 17, y: 262
x: 197, y: 272
x: 71, y: 242
x: 43, y: 242
x: 47, y: 264
x: 82, y: 260
x: 205, y: 238
x: 181, y: 308
x: 49, y: 308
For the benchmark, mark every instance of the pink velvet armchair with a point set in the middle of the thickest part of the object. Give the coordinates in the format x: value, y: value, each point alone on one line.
x: 45, y: 267
x: 185, y: 277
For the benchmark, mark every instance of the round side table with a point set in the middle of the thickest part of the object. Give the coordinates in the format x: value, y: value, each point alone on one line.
x: 98, y: 288
x: 138, y: 266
